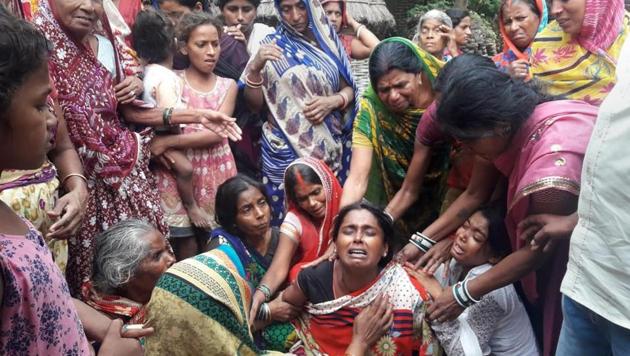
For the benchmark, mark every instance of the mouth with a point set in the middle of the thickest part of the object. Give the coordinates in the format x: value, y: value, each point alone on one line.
x: 357, y: 253
x: 85, y: 19
x: 457, y: 250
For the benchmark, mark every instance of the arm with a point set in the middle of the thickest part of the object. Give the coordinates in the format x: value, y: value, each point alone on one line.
x: 319, y: 107
x: 364, y: 42
x: 356, y: 185
x: 410, y: 189
x: 95, y: 323
x: 253, y: 94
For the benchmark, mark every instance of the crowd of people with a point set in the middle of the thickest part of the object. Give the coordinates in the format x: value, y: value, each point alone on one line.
x: 174, y: 182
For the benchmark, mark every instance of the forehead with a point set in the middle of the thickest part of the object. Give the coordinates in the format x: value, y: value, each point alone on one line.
x: 479, y: 221
x: 517, y: 7
x: 360, y: 217
x: 172, y: 5
x: 431, y: 23
x: 238, y: 3
x: 154, y: 238
x: 464, y: 22
x: 392, y: 77
x: 248, y: 196
x: 290, y: 3
x: 332, y: 6
x: 207, y: 32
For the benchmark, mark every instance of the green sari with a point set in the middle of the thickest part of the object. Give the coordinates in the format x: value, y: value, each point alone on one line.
x: 392, y: 137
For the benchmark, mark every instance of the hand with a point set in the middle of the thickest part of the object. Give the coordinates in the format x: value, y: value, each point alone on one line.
x: 117, y: 344
x: 371, y: 324
x: 440, y: 252
x: 319, y: 107
x: 283, y: 311
x: 257, y: 299
x: 410, y: 253
x: 519, y: 69
x: 158, y: 145
x: 329, y: 255
x: 541, y: 230
x: 235, y: 31
x: 269, y: 51
x: 428, y: 281
x: 68, y: 213
x: 221, y: 124
x: 128, y: 89
x: 446, y: 33
x: 444, y: 307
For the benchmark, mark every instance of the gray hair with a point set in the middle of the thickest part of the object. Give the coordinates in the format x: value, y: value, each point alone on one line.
x: 437, y: 15
x: 119, y: 251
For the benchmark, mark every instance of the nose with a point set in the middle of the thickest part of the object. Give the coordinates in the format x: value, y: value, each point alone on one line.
x: 211, y: 51
x: 87, y: 5
x: 259, y: 213
x: 295, y: 15
x: 240, y: 17
x: 556, y: 8
x: 170, y: 259
x: 514, y: 25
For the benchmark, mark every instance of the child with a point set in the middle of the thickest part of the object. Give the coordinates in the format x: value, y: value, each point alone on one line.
x: 154, y: 40
x: 497, y: 324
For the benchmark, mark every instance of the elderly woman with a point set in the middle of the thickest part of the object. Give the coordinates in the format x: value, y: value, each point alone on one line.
x: 357, y: 40
x: 130, y: 257
x: 93, y: 91
x: 434, y: 33
x: 521, y: 134
x: 303, y: 75
x: 335, y: 291
x: 401, y: 76
x: 576, y: 55
x: 519, y: 22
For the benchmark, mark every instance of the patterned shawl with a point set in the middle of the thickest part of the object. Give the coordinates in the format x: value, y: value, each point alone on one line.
x: 315, y: 234
x: 326, y: 328
x: 107, y: 147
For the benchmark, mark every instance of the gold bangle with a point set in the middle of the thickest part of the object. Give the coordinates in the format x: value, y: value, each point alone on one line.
x: 252, y: 84
x: 63, y: 181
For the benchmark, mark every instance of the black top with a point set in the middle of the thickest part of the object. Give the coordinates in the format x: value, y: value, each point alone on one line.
x: 317, y: 282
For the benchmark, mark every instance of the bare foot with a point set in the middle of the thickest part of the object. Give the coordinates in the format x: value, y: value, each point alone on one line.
x: 199, y: 218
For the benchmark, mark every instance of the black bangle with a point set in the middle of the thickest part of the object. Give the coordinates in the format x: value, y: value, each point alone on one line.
x: 166, y: 116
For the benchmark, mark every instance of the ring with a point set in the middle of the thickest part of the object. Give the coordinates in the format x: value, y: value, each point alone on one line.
x: 133, y: 93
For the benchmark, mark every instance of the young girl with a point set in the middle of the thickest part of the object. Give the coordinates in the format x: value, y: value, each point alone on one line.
x: 209, y: 154
x: 497, y: 324
x: 154, y: 40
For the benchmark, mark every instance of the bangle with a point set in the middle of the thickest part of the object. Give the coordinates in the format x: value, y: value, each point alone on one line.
x: 344, y: 101
x: 63, y: 181
x: 265, y: 291
x: 264, y: 312
x: 467, y: 293
x: 252, y: 84
x: 389, y: 216
x: 462, y: 296
x: 422, y: 241
x: 166, y: 116
x: 359, y: 30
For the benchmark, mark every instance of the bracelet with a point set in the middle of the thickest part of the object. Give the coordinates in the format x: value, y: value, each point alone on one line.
x: 359, y: 30
x: 422, y: 241
x: 166, y: 116
x: 462, y: 296
x: 344, y: 101
x: 389, y: 216
x: 265, y: 291
x: 465, y: 288
x: 253, y: 85
x: 63, y: 181
x: 264, y: 312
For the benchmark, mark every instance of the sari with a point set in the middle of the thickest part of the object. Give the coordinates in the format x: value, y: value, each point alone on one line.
x: 115, y: 158
x: 510, y: 52
x: 276, y: 336
x: 543, y: 161
x: 326, y: 328
x: 391, y: 137
x: 200, y: 307
x: 315, y: 236
x: 306, y: 70
x: 582, y: 68
x: 115, y: 306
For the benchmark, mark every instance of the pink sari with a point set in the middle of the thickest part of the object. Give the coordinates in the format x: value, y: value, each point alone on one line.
x: 546, y: 157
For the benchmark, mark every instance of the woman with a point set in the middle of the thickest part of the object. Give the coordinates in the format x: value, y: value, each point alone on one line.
x: 461, y: 30
x: 245, y: 216
x: 576, y: 55
x: 115, y: 158
x: 498, y: 324
x: 305, y: 78
x: 335, y: 291
x: 349, y: 30
x: 402, y: 77
x: 520, y: 134
x: 433, y: 36
x: 130, y: 257
x: 519, y: 22
x: 313, y: 195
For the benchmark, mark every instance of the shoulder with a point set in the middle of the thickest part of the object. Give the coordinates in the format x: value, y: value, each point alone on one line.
x: 316, y: 282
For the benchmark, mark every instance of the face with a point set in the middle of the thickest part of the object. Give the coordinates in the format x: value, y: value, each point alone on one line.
x: 360, y: 241
x: 470, y: 247
x: 203, y: 48
x: 311, y: 198
x: 253, y: 216
x: 431, y: 39
x: 174, y: 10
x: 399, y: 90
x: 151, y: 267
x: 335, y: 16
x: 27, y: 127
x: 239, y: 12
x: 462, y: 31
x: 294, y: 13
x: 79, y: 17
x: 520, y: 24
x: 569, y: 14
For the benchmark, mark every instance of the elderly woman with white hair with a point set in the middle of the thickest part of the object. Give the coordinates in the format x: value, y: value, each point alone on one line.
x: 130, y: 258
x: 434, y: 34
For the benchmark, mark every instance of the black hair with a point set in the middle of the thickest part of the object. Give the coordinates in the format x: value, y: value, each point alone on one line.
x: 457, y: 15
x: 189, y: 3
x: 23, y: 49
x: 388, y: 56
x: 498, y: 238
x: 192, y: 20
x: 226, y: 199
x: 383, y: 221
x: 222, y: 3
x: 530, y: 3
x: 297, y: 174
x: 462, y: 63
x: 153, y: 36
x: 479, y: 101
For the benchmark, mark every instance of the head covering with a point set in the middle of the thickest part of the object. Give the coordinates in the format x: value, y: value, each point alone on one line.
x: 508, y: 46
x: 603, y: 20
